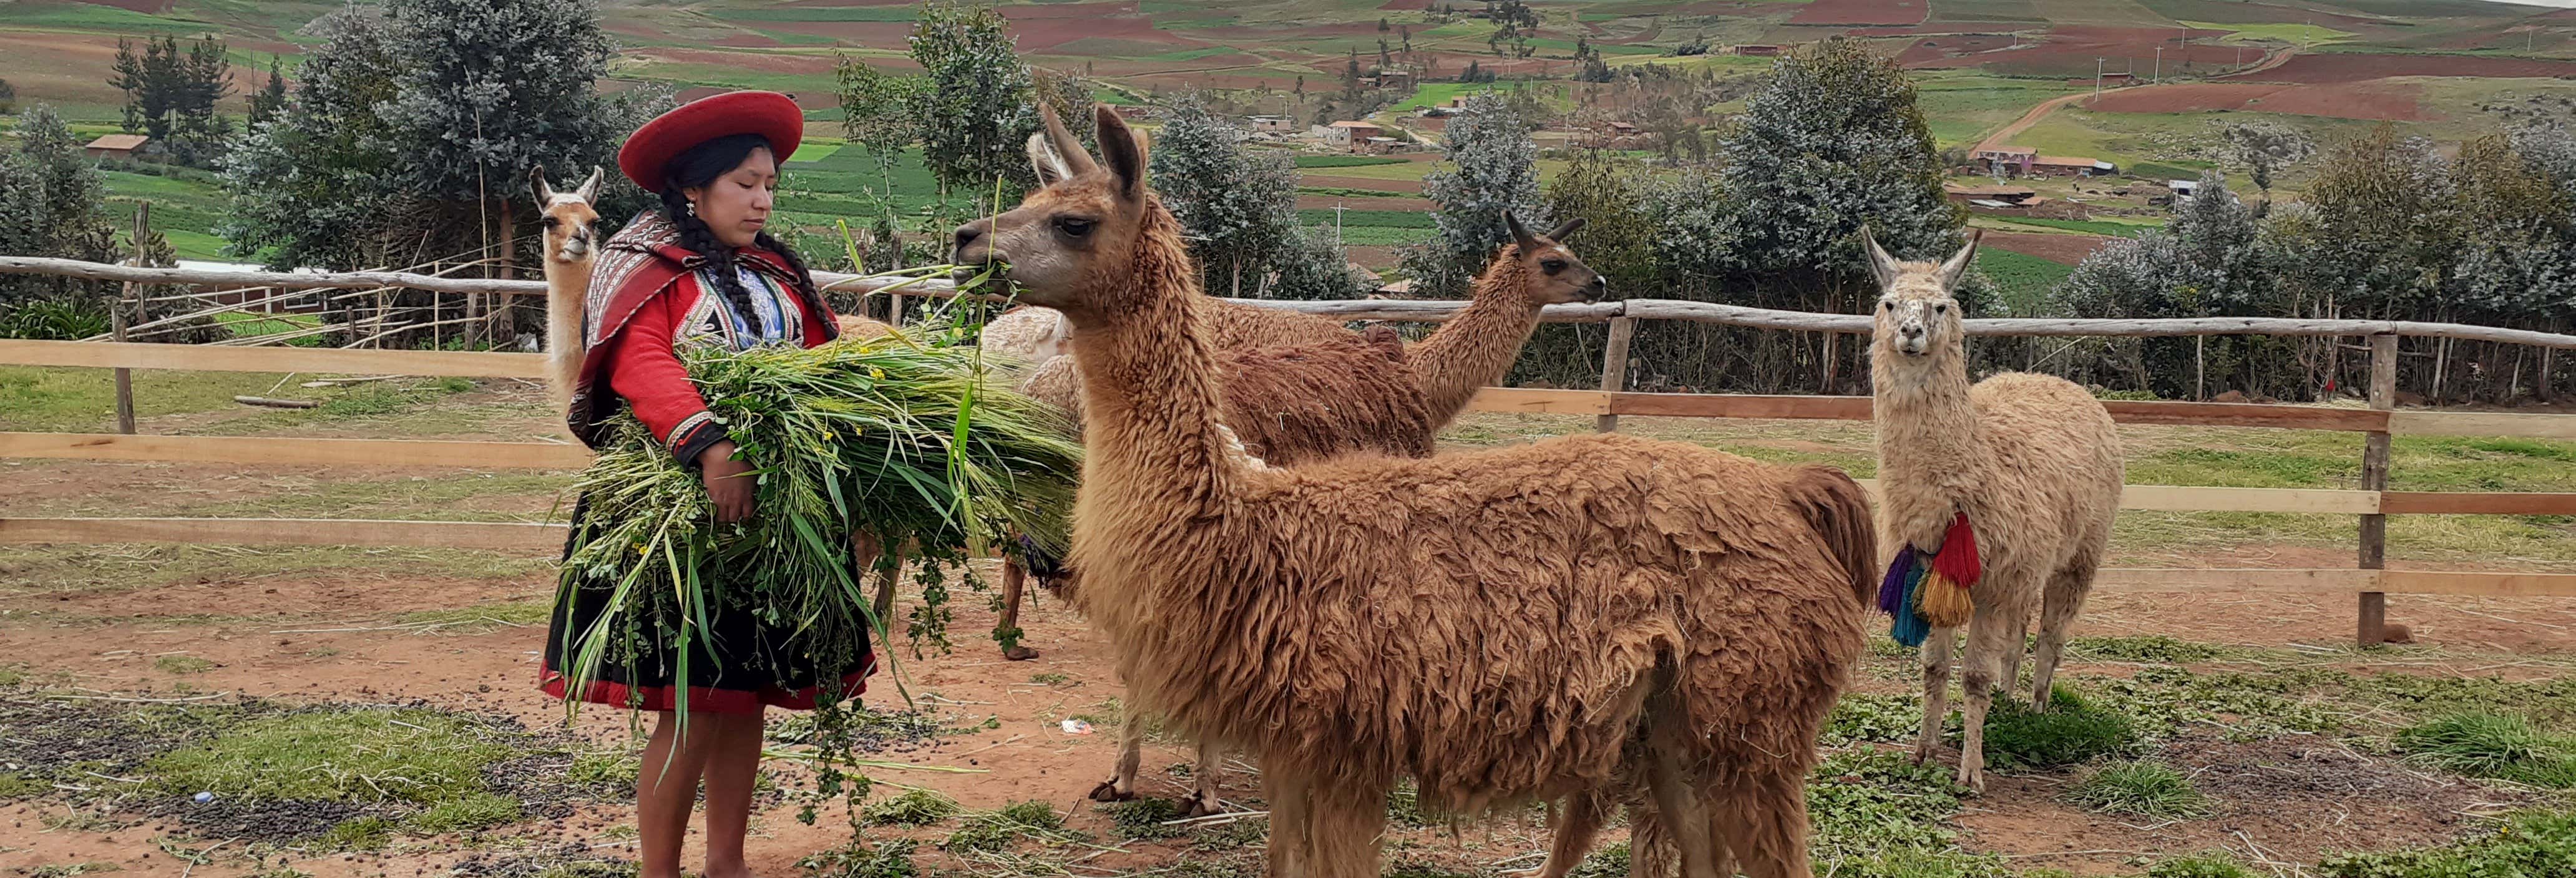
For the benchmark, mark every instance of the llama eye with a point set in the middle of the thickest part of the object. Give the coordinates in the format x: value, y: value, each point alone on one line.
x: 1940, y: 309
x: 552, y: 222
x: 1552, y: 265
x: 1073, y: 226
x: 1885, y: 305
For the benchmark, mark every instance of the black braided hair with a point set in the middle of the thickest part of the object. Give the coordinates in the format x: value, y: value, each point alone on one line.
x: 698, y: 166
x: 804, y: 276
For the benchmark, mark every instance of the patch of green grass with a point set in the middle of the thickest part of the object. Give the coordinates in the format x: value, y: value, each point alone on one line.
x: 1862, y: 716
x: 481, y: 618
x: 2532, y: 844
x: 371, y: 754
x: 1231, y: 834
x: 2073, y: 729
x: 1404, y: 806
x: 2147, y: 789
x: 1357, y: 219
x: 182, y: 664
x: 47, y: 399
x: 1606, y: 861
x: 472, y: 812
x: 1106, y: 715
x: 16, y: 786
x: 1345, y: 161
x: 2095, y: 227
x: 1051, y: 679
x: 1873, y: 812
x: 2025, y: 280
x: 915, y: 807
x: 2212, y: 864
x: 2147, y: 648
x: 2493, y: 746
x: 362, y: 834
x: 1143, y: 818
x: 71, y: 870
x: 996, y: 831
x: 105, y: 19
x: 888, y: 858
x: 604, y: 768
x: 1420, y: 869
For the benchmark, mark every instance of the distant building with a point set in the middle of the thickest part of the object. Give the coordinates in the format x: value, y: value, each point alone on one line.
x: 1351, y: 134
x: 1272, y: 124
x: 2001, y: 195
x: 116, y: 146
x: 1758, y: 50
x: 2023, y: 161
x: 2005, y: 159
x: 2070, y: 166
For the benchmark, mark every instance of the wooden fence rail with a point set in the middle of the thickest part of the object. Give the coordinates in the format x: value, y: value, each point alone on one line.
x: 2371, y: 503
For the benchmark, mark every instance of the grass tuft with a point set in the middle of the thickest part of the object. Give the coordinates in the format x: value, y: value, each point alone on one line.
x: 2212, y: 864
x: 472, y: 812
x: 996, y: 831
x: 2492, y: 746
x: 372, y: 754
x: 917, y: 807
x: 890, y: 858
x: 2151, y: 648
x: 2072, y: 730
x: 2531, y: 844
x: 182, y: 664
x: 362, y: 834
x: 2147, y: 789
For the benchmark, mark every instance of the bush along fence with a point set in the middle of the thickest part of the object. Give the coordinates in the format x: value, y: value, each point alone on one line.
x: 2371, y: 500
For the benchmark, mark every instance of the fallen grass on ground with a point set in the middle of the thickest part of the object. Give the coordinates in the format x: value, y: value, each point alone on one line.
x: 416, y: 756
x: 479, y: 618
x: 2492, y: 746
x: 2142, y: 788
x: 32, y: 570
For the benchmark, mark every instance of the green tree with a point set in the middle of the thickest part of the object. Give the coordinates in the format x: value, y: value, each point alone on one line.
x: 50, y: 197
x: 320, y: 184
x: 270, y: 100
x: 8, y: 98
x: 2264, y: 150
x: 1492, y: 167
x: 878, y: 113
x: 1239, y: 207
x: 976, y: 108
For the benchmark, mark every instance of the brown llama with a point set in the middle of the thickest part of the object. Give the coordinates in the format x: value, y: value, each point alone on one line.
x: 570, y: 225
x: 1474, y: 349
x: 1506, y: 625
x: 2032, y: 461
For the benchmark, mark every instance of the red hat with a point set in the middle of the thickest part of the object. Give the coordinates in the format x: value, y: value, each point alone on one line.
x: 767, y: 113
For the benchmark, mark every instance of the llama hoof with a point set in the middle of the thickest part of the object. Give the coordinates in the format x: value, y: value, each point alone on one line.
x: 1107, y: 791
x: 1973, y: 779
x: 1019, y: 654
x: 1195, y: 805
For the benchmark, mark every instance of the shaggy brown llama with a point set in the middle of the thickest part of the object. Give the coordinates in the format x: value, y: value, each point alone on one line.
x: 2033, y: 461
x: 1505, y: 625
x: 570, y: 224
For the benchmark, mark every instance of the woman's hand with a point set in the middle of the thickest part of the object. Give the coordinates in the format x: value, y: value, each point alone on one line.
x: 728, y: 485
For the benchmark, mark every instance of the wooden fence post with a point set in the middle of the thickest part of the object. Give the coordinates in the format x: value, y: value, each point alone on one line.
x: 116, y: 321
x: 1614, y: 368
x: 2374, y: 477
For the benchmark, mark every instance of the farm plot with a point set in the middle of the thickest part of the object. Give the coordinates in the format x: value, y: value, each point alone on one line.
x: 1862, y: 13
x: 2333, y: 67
x: 415, y: 665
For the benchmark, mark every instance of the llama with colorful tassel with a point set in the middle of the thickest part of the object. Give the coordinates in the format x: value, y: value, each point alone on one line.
x: 1996, y: 499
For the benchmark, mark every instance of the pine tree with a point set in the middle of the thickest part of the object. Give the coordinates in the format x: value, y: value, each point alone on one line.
x: 270, y: 100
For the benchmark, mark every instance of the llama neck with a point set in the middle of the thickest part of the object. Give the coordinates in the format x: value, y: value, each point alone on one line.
x: 1931, y: 447
x: 1151, y: 403
x: 567, y: 289
x: 1478, y: 347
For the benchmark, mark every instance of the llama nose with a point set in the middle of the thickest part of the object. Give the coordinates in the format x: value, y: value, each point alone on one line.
x: 967, y: 235
x: 1912, y: 331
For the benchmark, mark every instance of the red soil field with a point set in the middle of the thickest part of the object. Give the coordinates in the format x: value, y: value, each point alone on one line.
x: 2339, y: 67
x: 2395, y: 101
x: 1044, y: 27
x: 2060, y: 249
x: 2070, y: 50
x: 1863, y: 12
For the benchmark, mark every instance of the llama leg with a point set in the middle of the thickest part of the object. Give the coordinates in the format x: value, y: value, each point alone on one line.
x: 1015, y: 581
x: 1205, y: 799
x: 1987, y: 629
x: 1343, y: 823
x: 1574, y: 831
x: 1288, y: 817
x: 2017, y: 643
x: 1684, y: 817
x: 2059, y: 604
x: 1936, y: 691
x: 1764, y: 823
x: 1650, y: 848
x: 1121, y: 787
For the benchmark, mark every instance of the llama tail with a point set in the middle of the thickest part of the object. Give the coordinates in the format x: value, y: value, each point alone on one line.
x: 1839, y: 511
x: 565, y: 341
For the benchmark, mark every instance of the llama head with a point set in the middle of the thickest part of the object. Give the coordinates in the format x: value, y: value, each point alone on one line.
x: 1075, y: 244
x: 568, y: 217
x: 1550, y: 273
x: 1916, y: 314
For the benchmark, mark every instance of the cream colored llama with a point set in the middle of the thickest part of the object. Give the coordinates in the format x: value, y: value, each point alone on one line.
x: 570, y: 226
x: 1505, y: 625
x: 2033, y: 461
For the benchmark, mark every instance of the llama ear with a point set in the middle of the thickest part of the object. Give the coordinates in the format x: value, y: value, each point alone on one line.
x: 589, y: 191
x: 1076, y: 160
x: 1051, y: 167
x: 1957, y: 267
x: 1880, y: 264
x: 1520, y: 233
x: 1566, y: 231
x: 1121, y: 150
x: 545, y: 194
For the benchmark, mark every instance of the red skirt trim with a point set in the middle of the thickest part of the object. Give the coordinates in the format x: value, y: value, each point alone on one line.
x: 702, y: 699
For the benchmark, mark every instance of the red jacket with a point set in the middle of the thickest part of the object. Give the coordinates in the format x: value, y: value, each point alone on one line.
x: 642, y: 290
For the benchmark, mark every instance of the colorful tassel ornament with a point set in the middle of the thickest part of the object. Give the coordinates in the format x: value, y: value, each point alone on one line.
x: 1924, y: 591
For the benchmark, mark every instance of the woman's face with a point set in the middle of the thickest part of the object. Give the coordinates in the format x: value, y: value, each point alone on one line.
x: 735, y: 205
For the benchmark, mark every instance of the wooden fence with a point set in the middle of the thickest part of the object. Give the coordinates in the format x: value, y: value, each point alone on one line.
x: 2371, y: 500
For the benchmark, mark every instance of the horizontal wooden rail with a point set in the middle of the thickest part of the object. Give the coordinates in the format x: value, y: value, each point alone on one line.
x: 1387, y: 309
x: 2430, y: 582
x: 2183, y: 414
x: 295, y: 451
x: 2468, y: 503
x: 2482, y: 424
x: 491, y: 536
x: 210, y: 358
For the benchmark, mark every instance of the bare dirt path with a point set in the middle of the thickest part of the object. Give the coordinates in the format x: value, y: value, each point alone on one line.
x: 2005, y: 134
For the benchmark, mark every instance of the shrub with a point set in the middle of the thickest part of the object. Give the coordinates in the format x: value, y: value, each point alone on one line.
x: 2491, y: 745
x: 2147, y: 789
x: 2072, y: 730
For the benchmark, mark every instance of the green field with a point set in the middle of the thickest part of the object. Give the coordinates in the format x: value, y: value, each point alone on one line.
x: 2026, y: 280
x: 2096, y: 227
x: 1963, y: 108
x: 2296, y: 34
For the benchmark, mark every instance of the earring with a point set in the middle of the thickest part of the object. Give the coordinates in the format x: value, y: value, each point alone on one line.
x: 693, y: 208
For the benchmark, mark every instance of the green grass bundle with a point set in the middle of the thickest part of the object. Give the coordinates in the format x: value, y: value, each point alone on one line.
x: 2147, y: 789
x: 2492, y: 745
x: 2071, y: 730
x: 901, y: 437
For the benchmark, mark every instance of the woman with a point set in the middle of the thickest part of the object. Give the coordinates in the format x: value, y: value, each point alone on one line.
x: 700, y: 270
